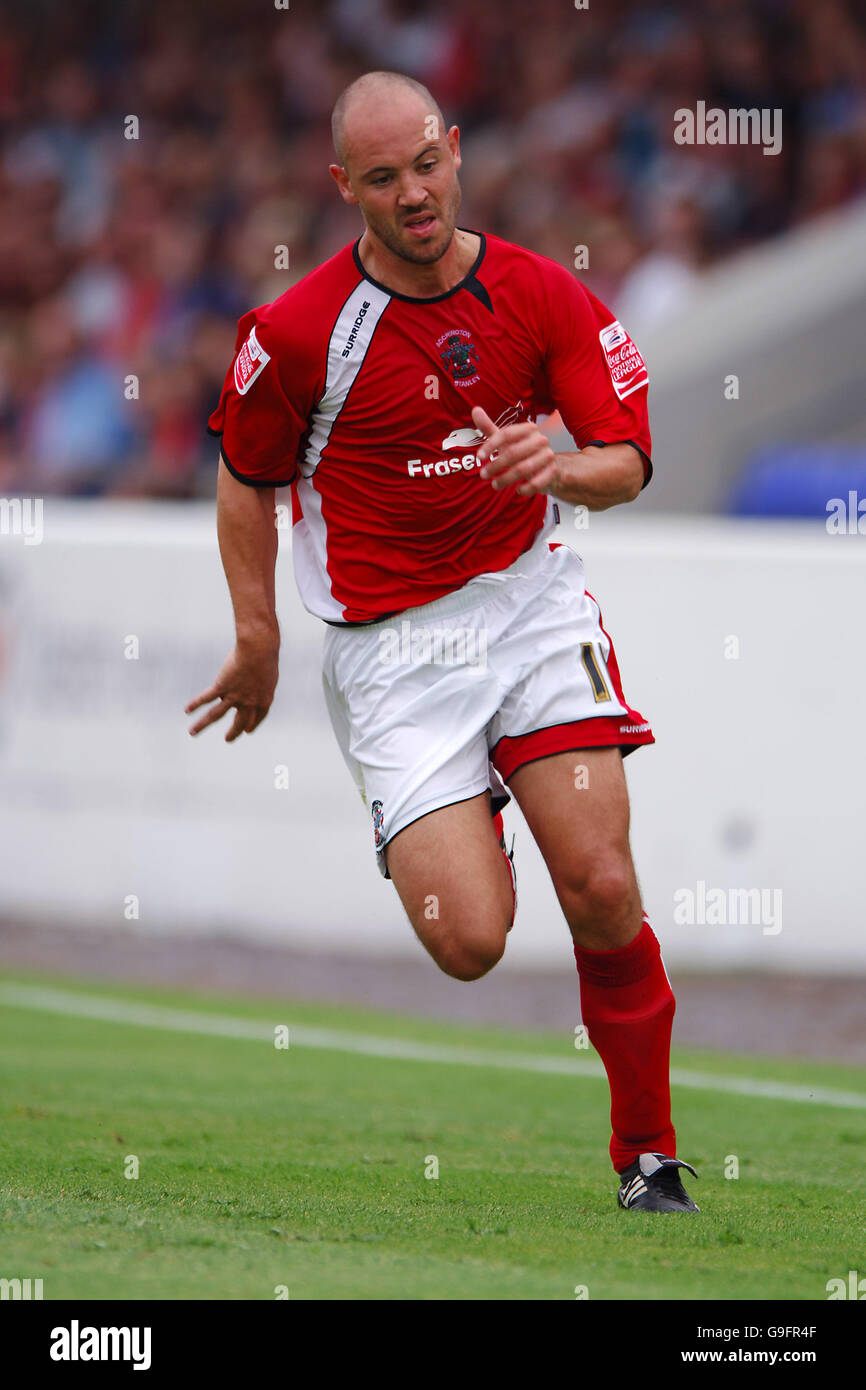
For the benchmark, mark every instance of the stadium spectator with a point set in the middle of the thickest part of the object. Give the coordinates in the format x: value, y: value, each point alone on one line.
x: 130, y: 258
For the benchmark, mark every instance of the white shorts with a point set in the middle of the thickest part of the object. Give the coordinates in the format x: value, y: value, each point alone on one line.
x: 442, y: 701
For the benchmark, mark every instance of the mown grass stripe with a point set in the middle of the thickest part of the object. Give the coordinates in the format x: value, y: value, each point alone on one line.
x: 129, y: 1012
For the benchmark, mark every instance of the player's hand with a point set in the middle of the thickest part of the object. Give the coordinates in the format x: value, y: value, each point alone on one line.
x: 245, y: 684
x: 518, y: 454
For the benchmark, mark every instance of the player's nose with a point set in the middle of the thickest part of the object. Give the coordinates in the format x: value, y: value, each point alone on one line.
x: 413, y: 196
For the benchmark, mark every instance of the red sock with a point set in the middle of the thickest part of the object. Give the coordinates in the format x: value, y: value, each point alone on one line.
x: 627, y: 1006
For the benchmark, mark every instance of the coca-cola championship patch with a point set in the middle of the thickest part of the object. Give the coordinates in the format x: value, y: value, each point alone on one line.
x: 627, y: 368
x: 250, y: 361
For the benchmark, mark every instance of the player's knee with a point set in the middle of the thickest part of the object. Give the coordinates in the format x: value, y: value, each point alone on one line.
x: 602, y: 895
x: 469, y: 956
x: 469, y: 964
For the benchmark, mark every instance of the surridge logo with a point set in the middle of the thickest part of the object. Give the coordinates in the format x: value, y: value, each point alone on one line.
x: 356, y: 328
x: 77, y: 1343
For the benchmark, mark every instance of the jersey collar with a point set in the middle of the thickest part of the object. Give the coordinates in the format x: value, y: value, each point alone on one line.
x: 436, y: 298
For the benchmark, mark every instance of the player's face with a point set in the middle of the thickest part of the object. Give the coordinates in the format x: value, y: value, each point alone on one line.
x: 406, y: 183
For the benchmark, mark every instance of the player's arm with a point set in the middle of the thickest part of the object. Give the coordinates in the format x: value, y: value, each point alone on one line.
x: 248, y: 547
x: 597, y: 379
x: 596, y: 477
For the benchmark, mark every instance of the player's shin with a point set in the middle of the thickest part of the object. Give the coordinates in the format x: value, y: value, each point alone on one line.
x: 627, y: 1007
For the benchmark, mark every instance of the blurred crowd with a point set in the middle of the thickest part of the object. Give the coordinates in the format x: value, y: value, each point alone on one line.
x: 129, y: 247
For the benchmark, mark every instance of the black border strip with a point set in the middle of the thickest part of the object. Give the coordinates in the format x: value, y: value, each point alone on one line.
x: 248, y: 482
x: 363, y: 622
x: 603, y: 443
x: 436, y: 298
x: 623, y: 748
x: 578, y: 748
x: 544, y: 727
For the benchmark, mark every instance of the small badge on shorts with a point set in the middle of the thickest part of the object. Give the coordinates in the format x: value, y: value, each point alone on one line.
x: 627, y: 368
x: 378, y: 818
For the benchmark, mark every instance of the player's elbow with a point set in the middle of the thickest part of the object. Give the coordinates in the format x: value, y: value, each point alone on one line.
x: 625, y: 487
x: 622, y: 478
x: 634, y: 474
x: 633, y: 489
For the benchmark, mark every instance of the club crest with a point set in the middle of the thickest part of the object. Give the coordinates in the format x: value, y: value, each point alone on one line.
x: 460, y: 356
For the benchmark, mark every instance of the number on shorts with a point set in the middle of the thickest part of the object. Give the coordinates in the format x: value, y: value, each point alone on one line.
x: 593, y: 664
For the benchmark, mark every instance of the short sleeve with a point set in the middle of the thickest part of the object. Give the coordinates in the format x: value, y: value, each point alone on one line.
x: 260, y: 420
x: 595, y: 373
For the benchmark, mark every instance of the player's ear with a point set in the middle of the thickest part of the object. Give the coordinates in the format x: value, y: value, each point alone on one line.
x: 341, y: 178
x: 453, y: 139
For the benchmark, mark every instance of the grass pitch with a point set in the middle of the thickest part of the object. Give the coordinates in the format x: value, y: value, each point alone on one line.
x: 263, y: 1169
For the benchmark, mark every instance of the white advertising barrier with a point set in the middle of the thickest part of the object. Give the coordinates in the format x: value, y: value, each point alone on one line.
x: 742, y: 642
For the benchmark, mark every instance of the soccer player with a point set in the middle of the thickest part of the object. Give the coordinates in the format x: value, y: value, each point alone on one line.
x: 396, y: 388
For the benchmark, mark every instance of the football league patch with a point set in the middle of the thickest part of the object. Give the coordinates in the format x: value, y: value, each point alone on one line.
x: 627, y: 368
x: 250, y: 361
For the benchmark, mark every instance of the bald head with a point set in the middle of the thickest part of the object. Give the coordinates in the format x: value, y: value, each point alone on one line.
x: 370, y: 92
x: 399, y: 165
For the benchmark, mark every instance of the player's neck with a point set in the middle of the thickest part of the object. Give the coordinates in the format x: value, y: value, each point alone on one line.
x: 420, y: 281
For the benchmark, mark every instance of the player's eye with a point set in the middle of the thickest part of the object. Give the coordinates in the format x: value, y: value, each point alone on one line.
x: 430, y: 164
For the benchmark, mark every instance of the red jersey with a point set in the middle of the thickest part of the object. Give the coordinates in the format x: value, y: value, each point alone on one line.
x: 361, y: 399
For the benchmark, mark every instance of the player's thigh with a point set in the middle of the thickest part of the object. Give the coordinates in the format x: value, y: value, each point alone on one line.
x: 576, y: 806
x: 453, y: 881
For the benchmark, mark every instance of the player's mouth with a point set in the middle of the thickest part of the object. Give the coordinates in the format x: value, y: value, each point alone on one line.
x: 422, y: 225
